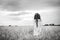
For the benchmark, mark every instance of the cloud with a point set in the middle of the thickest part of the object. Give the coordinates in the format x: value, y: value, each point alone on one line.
x: 11, y: 4
x: 18, y: 14
x: 16, y: 5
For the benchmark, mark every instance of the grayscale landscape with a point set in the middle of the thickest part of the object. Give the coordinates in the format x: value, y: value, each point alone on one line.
x: 17, y: 19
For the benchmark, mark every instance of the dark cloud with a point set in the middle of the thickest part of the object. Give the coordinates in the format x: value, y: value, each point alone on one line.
x: 37, y: 4
x: 11, y: 4
x: 16, y: 5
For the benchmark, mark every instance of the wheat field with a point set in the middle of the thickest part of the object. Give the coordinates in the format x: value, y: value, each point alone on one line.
x: 26, y: 33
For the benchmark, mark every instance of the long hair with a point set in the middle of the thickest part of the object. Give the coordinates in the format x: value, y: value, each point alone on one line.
x: 37, y: 16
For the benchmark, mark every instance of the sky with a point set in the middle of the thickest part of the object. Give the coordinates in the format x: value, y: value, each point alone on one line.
x: 21, y: 12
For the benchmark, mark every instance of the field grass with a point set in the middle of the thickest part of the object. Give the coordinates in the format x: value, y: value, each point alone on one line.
x: 26, y: 33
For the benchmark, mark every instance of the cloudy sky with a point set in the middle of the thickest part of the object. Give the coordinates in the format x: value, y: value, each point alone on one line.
x: 21, y: 12
x: 15, y: 5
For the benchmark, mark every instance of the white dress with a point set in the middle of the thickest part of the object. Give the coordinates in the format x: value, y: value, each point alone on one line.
x: 37, y: 29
